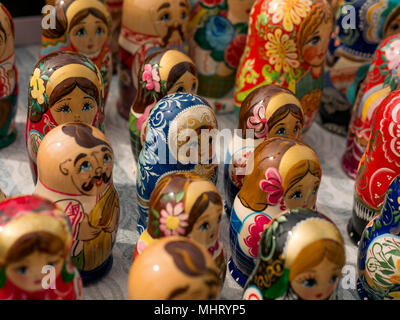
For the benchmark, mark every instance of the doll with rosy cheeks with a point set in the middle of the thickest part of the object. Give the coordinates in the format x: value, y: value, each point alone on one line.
x: 268, y: 111
x: 163, y: 72
x: 302, y: 254
x: 36, y: 234
x: 64, y: 87
x: 186, y: 204
x: 174, y: 268
x: 281, y: 174
x: 75, y: 163
x: 288, y: 51
x: 83, y: 26
x: 8, y: 79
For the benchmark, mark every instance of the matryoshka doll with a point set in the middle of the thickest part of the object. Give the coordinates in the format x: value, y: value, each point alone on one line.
x: 184, y: 204
x: 268, y: 111
x: 35, y: 244
x: 82, y: 26
x: 115, y: 9
x: 281, y: 174
x: 179, y: 137
x: 218, y: 32
x: 379, y: 165
x: 147, y: 26
x: 75, y: 164
x: 64, y: 87
x: 162, y: 72
x: 378, y: 258
x: 286, y: 46
x: 174, y: 268
x: 8, y: 79
x: 382, y: 78
x: 301, y: 254
x: 360, y: 26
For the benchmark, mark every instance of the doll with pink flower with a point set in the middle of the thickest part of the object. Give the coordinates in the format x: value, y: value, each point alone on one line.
x: 184, y: 204
x: 281, y: 174
x: 269, y: 111
x: 218, y: 31
x: 163, y: 72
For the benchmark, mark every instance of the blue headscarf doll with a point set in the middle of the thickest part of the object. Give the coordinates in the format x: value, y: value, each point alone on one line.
x: 174, y: 143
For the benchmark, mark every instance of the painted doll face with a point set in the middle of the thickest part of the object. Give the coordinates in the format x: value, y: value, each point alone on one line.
x: 77, y: 106
x: 206, y: 228
x: 27, y: 272
x: 186, y: 83
x: 89, y: 35
x: 316, y: 44
x: 170, y: 20
x: 289, y: 127
x: 319, y: 282
x: 6, y: 36
x: 240, y: 9
x: 304, y: 193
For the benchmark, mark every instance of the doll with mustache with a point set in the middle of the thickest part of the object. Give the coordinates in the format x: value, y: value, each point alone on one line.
x: 147, y: 26
x: 75, y: 163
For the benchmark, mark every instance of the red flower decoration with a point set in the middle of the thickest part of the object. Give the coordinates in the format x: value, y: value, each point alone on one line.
x: 211, y: 3
x: 235, y: 49
x: 272, y: 185
x: 256, y: 229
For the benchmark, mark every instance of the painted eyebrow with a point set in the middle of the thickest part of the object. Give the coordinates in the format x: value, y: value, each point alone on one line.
x: 64, y: 99
x: 182, y: 4
x: 88, y: 97
x: 80, y: 156
x: 106, y: 149
x: 164, y: 6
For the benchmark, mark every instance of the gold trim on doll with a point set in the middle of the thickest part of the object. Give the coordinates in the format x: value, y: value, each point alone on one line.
x: 293, y: 163
x: 271, y: 111
x: 174, y: 268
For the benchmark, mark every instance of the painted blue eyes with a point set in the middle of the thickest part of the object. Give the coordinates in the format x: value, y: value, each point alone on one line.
x: 86, y: 107
x: 205, y: 226
x: 166, y: 17
x: 297, y: 195
x: 314, y: 41
x: 22, y: 270
x: 281, y: 132
x: 81, y: 32
x: 85, y: 166
x: 309, y: 283
x: 99, y: 31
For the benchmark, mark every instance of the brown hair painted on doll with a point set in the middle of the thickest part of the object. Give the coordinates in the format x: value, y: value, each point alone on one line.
x: 271, y: 111
x: 5, y: 110
x: 75, y: 98
x: 298, y: 167
x: 198, y: 197
x: 317, y: 268
x: 392, y: 25
x: 26, y: 258
x: 181, y: 68
x: 314, y: 34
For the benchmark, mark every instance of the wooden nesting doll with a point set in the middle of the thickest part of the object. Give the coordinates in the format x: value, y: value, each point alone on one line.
x: 301, y: 257
x: 281, y: 174
x: 218, y: 32
x: 8, y: 79
x: 379, y: 165
x: 75, y: 163
x: 185, y: 204
x: 147, y: 26
x: 360, y: 26
x: 82, y: 26
x: 64, y: 87
x: 268, y: 111
x: 179, y: 137
x: 115, y: 9
x: 35, y: 244
x: 382, y: 78
x: 162, y: 72
x: 379, y: 251
x: 174, y: 268
x: 286, y: 46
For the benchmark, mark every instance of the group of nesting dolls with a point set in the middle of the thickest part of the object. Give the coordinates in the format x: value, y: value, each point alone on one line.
x: 178, y: 66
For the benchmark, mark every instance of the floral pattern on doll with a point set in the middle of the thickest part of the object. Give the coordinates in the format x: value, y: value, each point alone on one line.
x: 256, y: 229
x: 272, y: 186
x: 258, y: 122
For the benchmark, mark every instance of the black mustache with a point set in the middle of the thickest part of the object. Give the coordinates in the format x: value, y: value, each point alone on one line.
x: 89, y: 186
x: 171, y: 31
